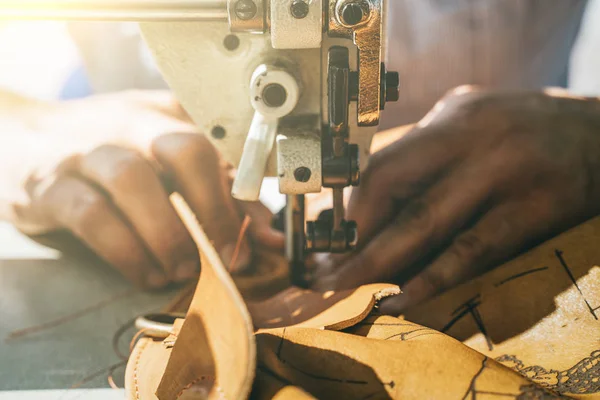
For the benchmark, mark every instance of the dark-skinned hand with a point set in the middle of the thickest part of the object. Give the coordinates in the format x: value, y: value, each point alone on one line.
x: 105, y: 172
x: 480, y: 179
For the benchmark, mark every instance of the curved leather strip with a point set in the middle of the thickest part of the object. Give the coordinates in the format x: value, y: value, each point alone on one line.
x: 267, y: 279
x: 331, y: 310
x: 145, y: 368
x: 538, y: 314
x: 217, y: 335
x: 330, y: 364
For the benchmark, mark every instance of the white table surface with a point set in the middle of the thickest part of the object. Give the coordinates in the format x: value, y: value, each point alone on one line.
x: 76, y: 394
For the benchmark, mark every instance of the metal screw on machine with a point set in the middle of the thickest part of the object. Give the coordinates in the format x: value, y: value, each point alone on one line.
x: 353, y: 13
x: 245, y: 9
x: 302, y: 174
x: 299, y: 9
x: 390, y: 86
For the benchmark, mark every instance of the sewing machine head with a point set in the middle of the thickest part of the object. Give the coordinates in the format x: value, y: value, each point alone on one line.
x: 285, y: 88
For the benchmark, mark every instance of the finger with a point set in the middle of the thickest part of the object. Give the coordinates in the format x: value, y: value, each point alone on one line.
x: 200, y: 178
x: 89, y: 215
x: 409, y: 166
x: 423, y: 224
x: 135, y: 189
x: 400, y: 171
x: 260, y: 227
x: 501, y: 234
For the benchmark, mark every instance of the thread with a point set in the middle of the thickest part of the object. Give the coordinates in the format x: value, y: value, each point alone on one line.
x: 240, y: 240
x: 67, y: 318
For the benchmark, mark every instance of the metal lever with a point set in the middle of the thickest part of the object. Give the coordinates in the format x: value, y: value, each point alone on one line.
x: 274, y: 93
x: 362, y: 22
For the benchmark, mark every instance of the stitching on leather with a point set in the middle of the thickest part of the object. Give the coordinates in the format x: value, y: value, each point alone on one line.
x: 192, y: 383
x: 136, y: 368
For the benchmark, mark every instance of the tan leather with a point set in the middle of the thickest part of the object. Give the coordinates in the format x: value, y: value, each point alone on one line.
x: 331, y: 310
x: 214, y: 351
x: 539, y: 316
x: 332, y: 365
x: 266, y: 386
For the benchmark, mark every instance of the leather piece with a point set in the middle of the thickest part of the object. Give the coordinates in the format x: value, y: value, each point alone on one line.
x: 331, y: 310
x: 538, y: 312
x: 145, y: 369
x: 331, y: 364
x: 216, y: 338
x: 269, y: 386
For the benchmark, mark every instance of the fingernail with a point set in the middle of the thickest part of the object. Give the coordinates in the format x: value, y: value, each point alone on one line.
x: 242, y: 260
x: 156, y: 280
x: 187, y: 270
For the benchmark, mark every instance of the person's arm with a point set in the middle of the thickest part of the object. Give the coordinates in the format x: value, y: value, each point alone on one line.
x: 103, y: 169
x: 481, y: 178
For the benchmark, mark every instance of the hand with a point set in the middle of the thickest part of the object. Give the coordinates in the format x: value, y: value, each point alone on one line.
x: 116, y: 162
x: 483, y: 177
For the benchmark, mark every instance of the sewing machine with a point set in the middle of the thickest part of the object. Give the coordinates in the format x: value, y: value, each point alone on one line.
x: 285, y: 88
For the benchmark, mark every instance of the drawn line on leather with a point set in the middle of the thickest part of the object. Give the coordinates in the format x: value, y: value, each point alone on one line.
x: 472, y: 300
x: 273, y: 374
x: 479, y: 321
x: 404, y: 336
x: 391, y: 384
x: 533, y: 392
x: 495, y: 394
x: 265, y: 369
x: 528, y: 392
x: 324, y: 378
x: 424, y: 334
x: 471, y: 389
x: 330, y: 379
x: 136, y: 369
x: 383, y: 324
x: 470, y: 307
x: 582, y: 378
x: 520, y: 275
x: 561, y: 259
x: 280, y: 345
